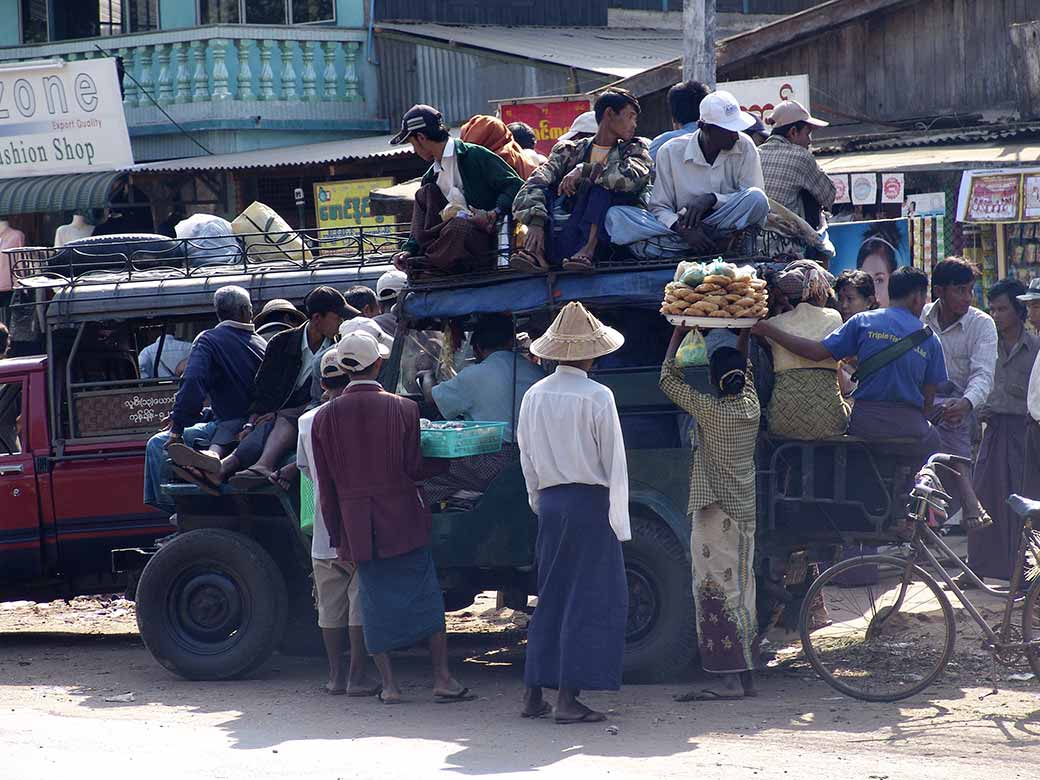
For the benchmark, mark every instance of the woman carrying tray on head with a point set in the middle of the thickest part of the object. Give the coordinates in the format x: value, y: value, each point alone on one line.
x: 806, y: 402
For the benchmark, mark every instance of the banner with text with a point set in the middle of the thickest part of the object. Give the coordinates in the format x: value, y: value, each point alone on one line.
x: 62, y: 117
x: 341, y: 207
x: 548, y: 118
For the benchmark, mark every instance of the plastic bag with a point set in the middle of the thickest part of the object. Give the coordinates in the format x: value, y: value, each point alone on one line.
x: 692, y: 351
x: 694, y: 275
x: 210, y: 239
x: 268, y: 237
x: 306, y: 505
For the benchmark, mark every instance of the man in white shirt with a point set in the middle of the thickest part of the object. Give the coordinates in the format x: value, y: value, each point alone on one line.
x: 573, y: 457
x: 172, y: 361
x: 969, y: 342
x: 708, y: 186
x: 336, y: 584
x: 1031, y: 483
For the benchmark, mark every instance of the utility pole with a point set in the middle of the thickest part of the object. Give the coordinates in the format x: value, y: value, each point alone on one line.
x: 699, y: 41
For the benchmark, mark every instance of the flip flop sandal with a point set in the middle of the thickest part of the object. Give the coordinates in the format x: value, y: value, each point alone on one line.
x: 248, y: 479
x: 707, y: 695
x: 365, y: 693
x: 526, y: 263
x: 578, y: 264
x: 544, y: 710
x: 198, y: 480
x: 452, y: 698
x: 387, y: 702
x: 183, y: 455
x: 586, y: 717
x: 334, y: 691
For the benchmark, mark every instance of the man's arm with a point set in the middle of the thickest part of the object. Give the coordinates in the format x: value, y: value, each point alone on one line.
x: 750, y: 172
x: 611, y: 443
x: 502, y: 178
x: 530, y: 206
x: 663, y: 204
x: 526, y: 461
x: 806, y: 348
x: 187, y: 404
x: 324, y: 475
x: 983, y: 363
x: 268, y: 374
x: 632, y: 173
x: 1033, y: 394
x: 818, y: 183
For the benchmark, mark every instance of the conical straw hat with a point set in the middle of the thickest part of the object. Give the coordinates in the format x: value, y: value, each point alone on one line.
x: 576, y: 335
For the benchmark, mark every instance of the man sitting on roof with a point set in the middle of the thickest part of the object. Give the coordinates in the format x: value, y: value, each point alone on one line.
x: 565, y: 202
x: 459, y: 202
x: 283, y: 393
x: 793, y: 177
x: 488, y: 391
x: 222, y: 366
x: 708, y: 188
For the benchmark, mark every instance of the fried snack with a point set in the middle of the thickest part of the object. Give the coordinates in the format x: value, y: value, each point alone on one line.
x: 708, y: 288
x: 758, y: 312
x: 718, y: 300
x: 670, y: 298
x: 740, y: 289
x: 733, y: 297
x: 718, y: 279
x: 746, y: 303
x: 690, y: 311
x: 758, y: 284
x: 720, y: 314
x: 704, y: 308
x: 733, y: 310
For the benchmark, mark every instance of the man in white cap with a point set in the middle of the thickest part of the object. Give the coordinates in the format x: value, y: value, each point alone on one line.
x: 1031, y: 298
x: 368, y: 464
x: 573, y: 456
x: 388, y: 290
x: 793, y: 177
x: 565, y: 202
x: 708, y: 187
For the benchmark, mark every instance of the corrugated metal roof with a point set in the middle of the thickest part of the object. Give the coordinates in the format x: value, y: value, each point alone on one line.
x: 613, y: 51
x: 933, y: 158
x: 328, y: 151
x: 66, y: 192
x: 910, y: 139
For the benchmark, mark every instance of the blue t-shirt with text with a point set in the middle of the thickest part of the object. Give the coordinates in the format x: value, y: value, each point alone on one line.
x: 902, y: 380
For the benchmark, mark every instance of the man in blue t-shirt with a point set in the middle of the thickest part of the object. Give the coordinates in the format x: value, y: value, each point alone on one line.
x: 896, y: 400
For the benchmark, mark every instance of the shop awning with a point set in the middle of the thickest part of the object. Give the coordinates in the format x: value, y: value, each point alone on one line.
x: 932, y: 158
x: 56, y: 193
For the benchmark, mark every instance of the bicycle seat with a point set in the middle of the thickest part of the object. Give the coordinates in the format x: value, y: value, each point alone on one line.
x: 1024, y: 507
x: 945, y: 459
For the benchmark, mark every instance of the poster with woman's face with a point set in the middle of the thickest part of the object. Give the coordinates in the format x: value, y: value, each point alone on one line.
x: 877, y: 247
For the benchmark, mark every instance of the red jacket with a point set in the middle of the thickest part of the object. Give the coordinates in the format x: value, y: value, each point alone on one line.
x: 368, y: 463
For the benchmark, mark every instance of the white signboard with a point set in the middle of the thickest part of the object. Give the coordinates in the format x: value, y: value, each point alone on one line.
x: 891, y: 188
x: 62, y: 117
x: 925, y: 204
x: 760, y: 96
x: 864, y: 189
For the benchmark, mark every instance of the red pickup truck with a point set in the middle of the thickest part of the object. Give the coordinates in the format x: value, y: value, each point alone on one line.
x: 64, y: 504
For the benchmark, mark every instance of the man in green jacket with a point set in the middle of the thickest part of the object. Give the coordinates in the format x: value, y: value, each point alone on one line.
x: 459, y: 201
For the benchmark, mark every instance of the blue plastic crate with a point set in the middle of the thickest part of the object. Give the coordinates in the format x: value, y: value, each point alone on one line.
x: 473, y: 438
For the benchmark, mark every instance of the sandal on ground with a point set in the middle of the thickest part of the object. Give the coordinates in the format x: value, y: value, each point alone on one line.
x: 707, y: 694
x: 183, y: 455
x: 588, y: 716
x: 525, y: 262
x: 363, y: 693
x: 196, y: 478
x: 385, y: 701
x: 451, y: 698
x: 541, y: 712
x: 578, y: 263
x: 249, y: 479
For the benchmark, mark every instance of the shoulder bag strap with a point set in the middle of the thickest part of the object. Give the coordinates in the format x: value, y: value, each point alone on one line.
x: 889, y: 354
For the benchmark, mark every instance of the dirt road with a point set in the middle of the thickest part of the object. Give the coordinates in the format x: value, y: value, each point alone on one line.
x: 60, y: 663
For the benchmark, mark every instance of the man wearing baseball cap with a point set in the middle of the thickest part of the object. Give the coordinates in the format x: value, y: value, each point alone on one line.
x: 1031, y: 299
x: 460, y: 199
x: 368, y: 465
x: 388, y: 289
x: 793, y: 177
x: 708, y: 187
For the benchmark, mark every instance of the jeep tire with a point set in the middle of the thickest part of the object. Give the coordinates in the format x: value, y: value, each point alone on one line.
x: 211, y: 605
x: 661, y: 635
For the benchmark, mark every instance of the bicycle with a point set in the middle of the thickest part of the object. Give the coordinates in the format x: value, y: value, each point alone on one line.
x: 894, y: 630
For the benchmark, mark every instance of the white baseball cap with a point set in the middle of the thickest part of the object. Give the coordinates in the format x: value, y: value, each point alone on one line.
x: 390, y: 285
x: 583, y: 123
x: 361, y: 349
x: 369, y: 326
x: 721, y: 109
x: 330, y: 365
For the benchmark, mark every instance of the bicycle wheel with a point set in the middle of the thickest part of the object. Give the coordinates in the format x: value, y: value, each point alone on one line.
x: 883, y: 641
x: 1031, y: 625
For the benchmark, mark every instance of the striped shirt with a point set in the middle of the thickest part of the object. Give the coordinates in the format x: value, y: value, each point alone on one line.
x: 723, y: 469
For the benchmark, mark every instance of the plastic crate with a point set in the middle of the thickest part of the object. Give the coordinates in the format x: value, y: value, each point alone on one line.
x: 473, y: 438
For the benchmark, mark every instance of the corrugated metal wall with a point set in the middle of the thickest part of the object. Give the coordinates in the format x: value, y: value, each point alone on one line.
x: 460, y: 83
x: 551, y: 13
x: 722, y: 6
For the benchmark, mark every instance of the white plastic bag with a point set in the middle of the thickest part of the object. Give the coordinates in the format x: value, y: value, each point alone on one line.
x: 276, y: 241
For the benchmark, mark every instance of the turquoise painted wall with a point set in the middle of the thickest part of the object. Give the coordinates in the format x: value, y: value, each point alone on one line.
x: 351, y: 13
x: 174, y: 14
x: 10, y: 34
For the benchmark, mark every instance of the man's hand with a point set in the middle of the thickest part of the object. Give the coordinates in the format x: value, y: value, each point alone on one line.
x: 400, y: 260
x: 697, y: 209
x: 570, y: 182
x: 485, y: 220
x: 954, y: 411
x: 762, y: 329
x: 534, y: 243
x: 696, y: 239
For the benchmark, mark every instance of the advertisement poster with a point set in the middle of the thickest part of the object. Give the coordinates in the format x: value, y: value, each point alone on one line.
x: 877, y: 247
x: 841, y: 188
x: 925, y: 204
x: 549, y: 118
x: 65, y: 117
x: 864, y: 189
x: 343, y: 206
x: 1031, y: 196
x: 994, y: 198
x: 892, y: 188
x: 760, y: 96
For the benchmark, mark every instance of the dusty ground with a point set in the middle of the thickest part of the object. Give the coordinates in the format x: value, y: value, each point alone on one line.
x: 60, y: 663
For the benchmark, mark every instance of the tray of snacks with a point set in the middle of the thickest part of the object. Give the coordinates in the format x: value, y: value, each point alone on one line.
x: 715, y: 295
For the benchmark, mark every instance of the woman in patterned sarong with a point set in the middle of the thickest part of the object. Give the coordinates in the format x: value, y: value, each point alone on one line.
x: 722, y: 515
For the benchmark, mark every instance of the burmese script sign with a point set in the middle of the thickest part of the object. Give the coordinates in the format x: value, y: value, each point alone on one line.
x: 135, y: 410
x: 62, y: 117
x: 548, y: 118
